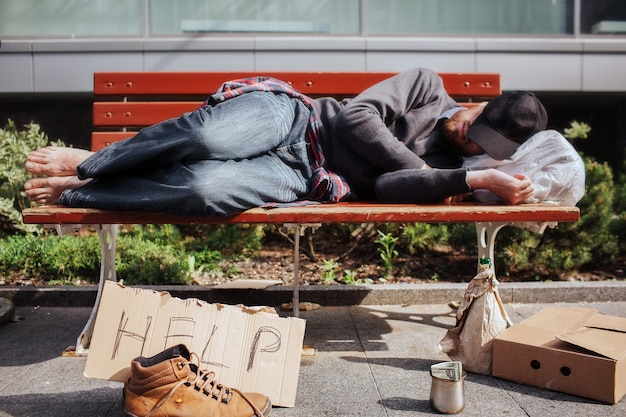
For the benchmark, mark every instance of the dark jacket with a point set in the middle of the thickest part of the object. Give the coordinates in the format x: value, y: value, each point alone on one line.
x: 380, y: 140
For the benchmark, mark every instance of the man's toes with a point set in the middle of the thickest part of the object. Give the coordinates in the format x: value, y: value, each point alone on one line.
x: 35, y: 183
x: 30, y: 167
x: 35, y: 166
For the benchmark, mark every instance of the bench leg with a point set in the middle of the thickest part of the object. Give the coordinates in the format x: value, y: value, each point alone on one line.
x: 299, y: 229
x: 107, y: 233
x: 486, y: 233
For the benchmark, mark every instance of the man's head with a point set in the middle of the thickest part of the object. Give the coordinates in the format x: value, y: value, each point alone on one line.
x: 506, y: 122
x: 497, y: 128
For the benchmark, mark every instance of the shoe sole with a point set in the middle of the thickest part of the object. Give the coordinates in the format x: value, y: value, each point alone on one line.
x: 266, y: 411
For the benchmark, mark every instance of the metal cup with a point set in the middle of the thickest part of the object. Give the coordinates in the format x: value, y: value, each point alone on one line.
x: 447, y: 396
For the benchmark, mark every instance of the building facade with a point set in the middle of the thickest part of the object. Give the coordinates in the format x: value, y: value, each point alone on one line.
x: 572, y: 53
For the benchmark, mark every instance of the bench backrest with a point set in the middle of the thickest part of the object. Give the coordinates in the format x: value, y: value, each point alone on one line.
x: 127, y: 101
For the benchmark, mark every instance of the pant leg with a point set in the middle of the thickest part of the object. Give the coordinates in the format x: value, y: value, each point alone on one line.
x: 208, y: 187
x: 202, y: 188
x: 242, y: 127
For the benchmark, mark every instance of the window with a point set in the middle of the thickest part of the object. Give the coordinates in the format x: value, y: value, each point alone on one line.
x: 603, y: 17
x: 70, y: 18
x: 469, y: 16
x: 155, y: 18
x: 277, y: 16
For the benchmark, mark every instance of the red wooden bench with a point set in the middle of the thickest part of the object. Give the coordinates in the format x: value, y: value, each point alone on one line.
x: 125, y: 102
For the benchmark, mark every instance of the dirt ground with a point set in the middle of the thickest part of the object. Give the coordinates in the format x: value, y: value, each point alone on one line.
x: 338, y: 263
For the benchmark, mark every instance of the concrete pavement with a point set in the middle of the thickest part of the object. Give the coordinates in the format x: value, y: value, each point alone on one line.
x: 371, y: 359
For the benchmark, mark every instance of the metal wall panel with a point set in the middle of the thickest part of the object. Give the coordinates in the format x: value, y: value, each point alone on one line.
x: 16, y: 67
x: 542, y: 65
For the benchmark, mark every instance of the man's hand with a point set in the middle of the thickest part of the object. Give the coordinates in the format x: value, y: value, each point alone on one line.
x: 512, y: 189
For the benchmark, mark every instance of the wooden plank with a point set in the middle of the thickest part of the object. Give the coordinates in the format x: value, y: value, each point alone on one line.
x: 461, y: 85
x: 132, y: 114
x: 187, y: 83
x: 355, y: 212
x: 100, y: 140
x: 140, y: 114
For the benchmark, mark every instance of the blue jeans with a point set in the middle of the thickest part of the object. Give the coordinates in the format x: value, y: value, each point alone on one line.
x: 244, y: 152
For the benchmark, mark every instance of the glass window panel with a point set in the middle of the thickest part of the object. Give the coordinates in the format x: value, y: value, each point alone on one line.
x: 469, y: 16
x: 207, y: 16
x: 24, y: 18
x: 84, y: 18
x: 603, y: 17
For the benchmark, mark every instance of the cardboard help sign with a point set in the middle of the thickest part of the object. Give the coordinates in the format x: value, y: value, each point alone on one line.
x: 248, y: 349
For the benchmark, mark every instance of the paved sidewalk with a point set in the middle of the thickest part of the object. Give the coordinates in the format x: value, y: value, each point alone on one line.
x: 372, y: 360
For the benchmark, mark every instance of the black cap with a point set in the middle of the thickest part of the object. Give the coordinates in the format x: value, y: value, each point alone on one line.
x: 506, y: 122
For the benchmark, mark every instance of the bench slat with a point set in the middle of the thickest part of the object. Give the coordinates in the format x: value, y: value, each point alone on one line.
x: 100, y: 140
x: 136, y: 114
x: 139, y: 114
x: 311, y: 83
x: 353, y: 212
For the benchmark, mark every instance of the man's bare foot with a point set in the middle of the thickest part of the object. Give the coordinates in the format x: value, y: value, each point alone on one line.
x: 47, y: 190
x: 55, y: 161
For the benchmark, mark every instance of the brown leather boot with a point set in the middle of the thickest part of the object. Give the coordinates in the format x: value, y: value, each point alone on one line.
x: 169, y: 385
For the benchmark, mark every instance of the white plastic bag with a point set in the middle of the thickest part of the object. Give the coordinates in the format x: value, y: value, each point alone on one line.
x: 553, y: 165
x: 479, y: 319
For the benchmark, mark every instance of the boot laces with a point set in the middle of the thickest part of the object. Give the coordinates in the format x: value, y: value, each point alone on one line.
x: 204, y: 381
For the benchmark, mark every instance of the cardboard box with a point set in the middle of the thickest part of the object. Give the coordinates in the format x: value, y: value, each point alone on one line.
x: 250, y: 349
x: 573, y: 350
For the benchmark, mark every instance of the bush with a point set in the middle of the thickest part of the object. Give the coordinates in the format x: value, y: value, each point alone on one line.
x: 15, y: 145
x: 418, y: 237
x: 229, y: 239
x: 618, y: 223
x: 142, y: 261
x: 65, y: 259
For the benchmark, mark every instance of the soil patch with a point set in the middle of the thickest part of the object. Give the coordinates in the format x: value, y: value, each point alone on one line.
x: 341, y: 264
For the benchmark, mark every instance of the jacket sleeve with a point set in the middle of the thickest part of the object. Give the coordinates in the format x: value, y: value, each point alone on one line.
x: 421, y: 185
x: 380, y: 123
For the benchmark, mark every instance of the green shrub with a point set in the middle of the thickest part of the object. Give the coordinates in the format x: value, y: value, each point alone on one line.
x: 160, y: 234
x: 142, y: 261
x: 54, y: 257
x: 15, y: 145
x: 229, y: 239
x: 418, y: 237
x: 618, y: 228
x: 387, y: 250
x: 618, y: 223
x: 619, y: 205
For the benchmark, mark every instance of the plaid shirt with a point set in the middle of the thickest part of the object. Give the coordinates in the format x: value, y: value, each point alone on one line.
x: 327, y: 186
